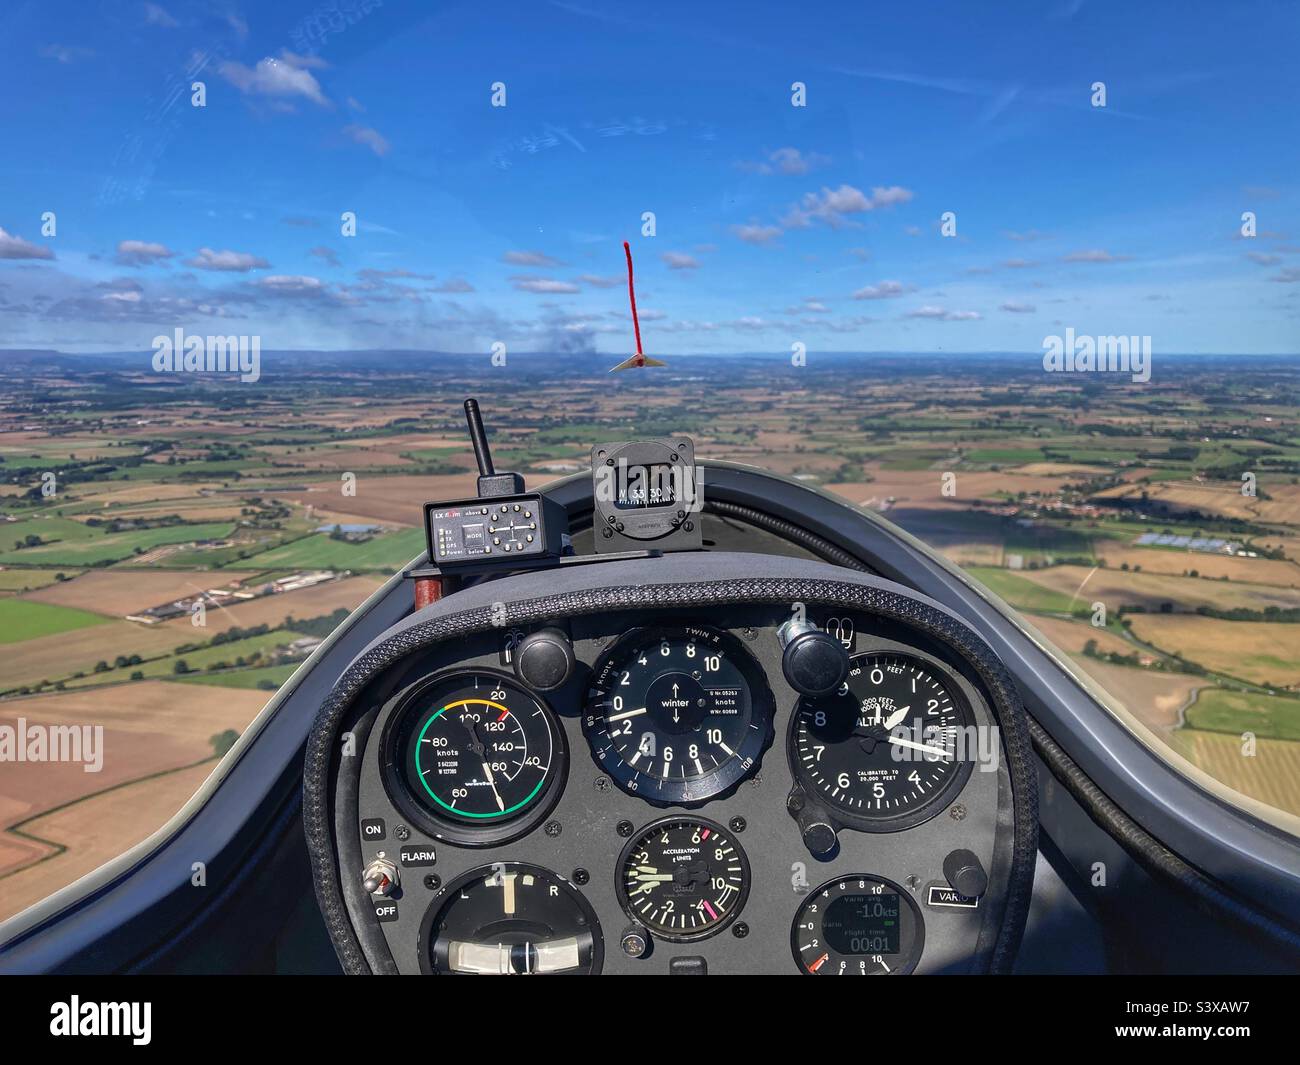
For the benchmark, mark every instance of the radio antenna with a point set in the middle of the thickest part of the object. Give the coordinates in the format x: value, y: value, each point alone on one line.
x: 478, y: 437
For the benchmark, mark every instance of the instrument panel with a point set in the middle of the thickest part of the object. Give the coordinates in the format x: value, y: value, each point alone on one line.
x: 675, y: 806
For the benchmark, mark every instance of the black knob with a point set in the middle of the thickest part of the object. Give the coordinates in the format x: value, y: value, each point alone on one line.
x: 966, y: 874
x: 815, y: 663
x: 544, y: 659
x: 819, y: 838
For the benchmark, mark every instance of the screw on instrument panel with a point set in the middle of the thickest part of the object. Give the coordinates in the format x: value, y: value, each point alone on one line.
x: 609, y: 462
x: 433, y: 881
x: 738, y: 824
x: 607, y: 533
x: 624, y: 828
x: 958, y: 812
x: 402, y: 832
x: 913, y: 881
x: 602, y: 783
x: 689, y: 526
x: 749, y: 632
x: 552, y: 828
x: 740, y: 930
x: 612, y: 518
x: 755, y: 781
x: 618, y: 525
x: 581, y: 877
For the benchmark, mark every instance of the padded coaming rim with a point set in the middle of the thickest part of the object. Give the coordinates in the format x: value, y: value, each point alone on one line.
x: 884, y: 603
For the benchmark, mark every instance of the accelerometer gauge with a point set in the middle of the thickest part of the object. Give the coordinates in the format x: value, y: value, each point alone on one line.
x: 678, y: 714
x: 510, y: 919
x: 683, y: 878
x: 860, y: 925
x: 889, y: 748
x: 474, y: 758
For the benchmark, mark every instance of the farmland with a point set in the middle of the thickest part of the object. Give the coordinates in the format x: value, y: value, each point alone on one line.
x: 1056, y: 494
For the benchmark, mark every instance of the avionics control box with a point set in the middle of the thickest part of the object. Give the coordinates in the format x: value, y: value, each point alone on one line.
x: 498, y: 529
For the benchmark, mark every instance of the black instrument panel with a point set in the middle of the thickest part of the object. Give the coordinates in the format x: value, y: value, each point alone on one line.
x: 653, y: 814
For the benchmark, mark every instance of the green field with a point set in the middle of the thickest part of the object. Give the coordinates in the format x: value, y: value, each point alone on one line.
x: 1219, y: 710
x: 89, y: 546
x: 195, y: 660
x: 28, y: 580
x: 318, y: 551
x: 245, y: 678
x: 1024, y: 594
x: 23, y: 620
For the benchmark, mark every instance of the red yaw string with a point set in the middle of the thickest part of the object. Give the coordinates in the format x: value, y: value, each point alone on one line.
x: 631, y: 293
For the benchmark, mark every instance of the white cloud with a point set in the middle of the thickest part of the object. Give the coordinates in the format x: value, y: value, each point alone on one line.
x: 883, y: 291
x: 456, y: 284
x: 371, y: 138
x: 943, y: 315
x: 596, y: 281
x: 292, y: 284
x: 677, y: 260
x: 787, y: 161
x: 235, y: 261
x: 544, y: 285
x: 1014, y: 307
x: 141, y: 252
x: 278, y: 78
x: 754, y: 233
x: 1094, y: 255
x: 832, y: 206
x: 1263, y: 258
x: 529, y: 258
x: 14, y: 247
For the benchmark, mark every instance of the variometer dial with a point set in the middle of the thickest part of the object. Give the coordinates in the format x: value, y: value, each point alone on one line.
x: 678, y: 715
x: 683, y: 878
x: 886, y: 750
x: 474, y: 751
x: 859, y: 925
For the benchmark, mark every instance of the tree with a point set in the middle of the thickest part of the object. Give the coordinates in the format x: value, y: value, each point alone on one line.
x: 181, y: 666
x: 223, y: 741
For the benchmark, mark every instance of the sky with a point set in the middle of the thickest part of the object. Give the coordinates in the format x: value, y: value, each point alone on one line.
x: 126, y: 211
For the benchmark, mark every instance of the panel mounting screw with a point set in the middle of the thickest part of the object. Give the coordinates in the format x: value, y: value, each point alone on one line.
x: 602, y: 783
x: 958, y: 812
x: 581, y: 877
x: 433, y: 881
x: 402, y: 832
x: 738, y: 824
x: 740, y: 930
x: 624, y: 828
x: 552, y: 828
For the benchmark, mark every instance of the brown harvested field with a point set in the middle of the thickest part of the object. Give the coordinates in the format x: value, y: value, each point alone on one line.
x: 1283, y: 574
x: 1258, y: 651
x: 1271, y: 775
x: 61, y: 654
x: 113, y: 493
x: 1060, y: 469
x: 1072, y: 636
x: 399, y: 500
x: 926, y: 486
x: 149, y: 727
x: 1218, y: 497
x: 1150, y: 590
x: 202, y: 510
x: 94, y: 831
x: 1155, y: 699
x: 118, y: 592
x: 272, y: 609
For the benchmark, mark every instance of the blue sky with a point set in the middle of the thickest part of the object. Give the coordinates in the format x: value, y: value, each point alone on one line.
x: 775, y: 224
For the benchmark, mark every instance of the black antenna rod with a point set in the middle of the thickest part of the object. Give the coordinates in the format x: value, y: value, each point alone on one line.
x: 478, y: 437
